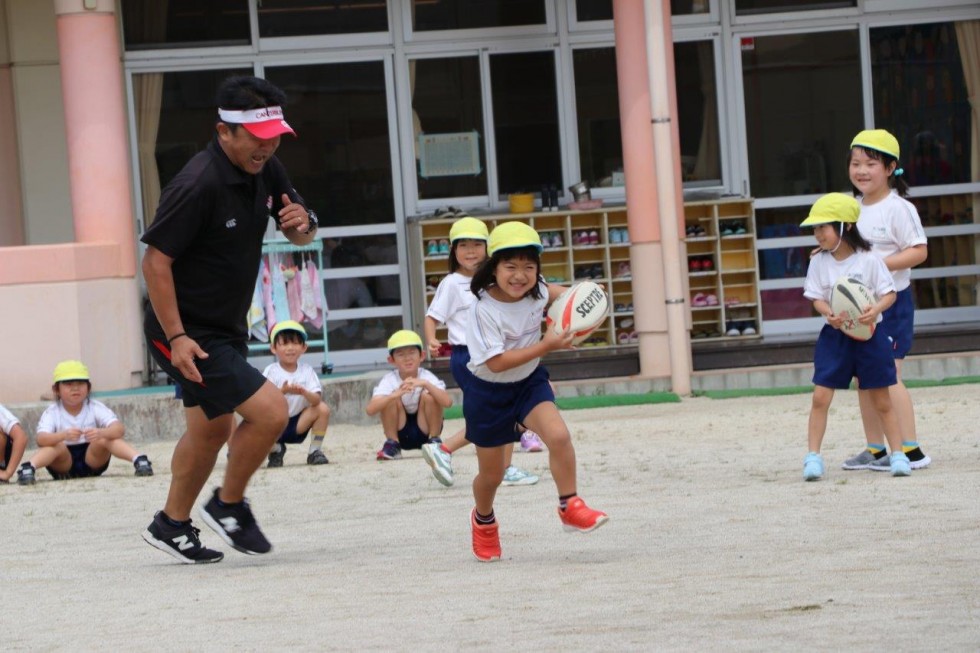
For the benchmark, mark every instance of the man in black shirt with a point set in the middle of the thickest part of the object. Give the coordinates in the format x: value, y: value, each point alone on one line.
x: 201, y: 262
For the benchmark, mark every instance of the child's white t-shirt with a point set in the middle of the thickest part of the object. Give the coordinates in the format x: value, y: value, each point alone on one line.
x: 495, y: 327
x: 410, y: 400
x: 7, y: 420
x: 94, y: 415
x: 451, y: 306
x: 890, y: 226
x: 304, y: 376
x: 825, y: 270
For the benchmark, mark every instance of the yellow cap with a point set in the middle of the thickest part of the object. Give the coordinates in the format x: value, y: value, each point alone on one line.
x: 513, y: 234
x: 833, y: 207
x: 70, y: 371
x: 877, y: 139
x: 469, y: 228
x: 404, y: 338
x: 287, y: 325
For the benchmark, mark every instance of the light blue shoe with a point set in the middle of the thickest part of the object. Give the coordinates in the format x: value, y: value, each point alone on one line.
x: 812, y: 467
x: 900, y: 464
x: 440, y: 462
x: 517, y: 476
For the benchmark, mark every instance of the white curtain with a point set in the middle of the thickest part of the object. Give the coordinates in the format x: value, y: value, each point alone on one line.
x: 148, y: 91
x: 968, y: 38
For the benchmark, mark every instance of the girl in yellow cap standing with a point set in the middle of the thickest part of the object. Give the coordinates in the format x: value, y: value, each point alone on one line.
x: 507, y: 385
x: 892, y: 225
x: 451, y: 306
x: 838, y: 358
x: 77, y: 435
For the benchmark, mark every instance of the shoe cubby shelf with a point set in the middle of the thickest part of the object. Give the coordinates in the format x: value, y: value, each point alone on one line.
x: 723, y: 273
x: 720, y: 237
x: 578, y: 245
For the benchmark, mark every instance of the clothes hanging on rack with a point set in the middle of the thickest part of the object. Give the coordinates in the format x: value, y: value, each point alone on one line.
x: 257, y: 326
x: 279, y: 300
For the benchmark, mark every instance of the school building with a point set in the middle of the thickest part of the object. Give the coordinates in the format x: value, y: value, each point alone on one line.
x: 406, y: 108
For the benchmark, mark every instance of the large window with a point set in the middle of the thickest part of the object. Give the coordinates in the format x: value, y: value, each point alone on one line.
x: 802, y: 107
x: 302, y: 17
x: 447, y: 117
x: 921, y: 94
x: 597, y: 107
x: 341, y: 160
x: 175, y: 118
x: 184, y: 23
x: 525, y: 116
x: 473, y: 14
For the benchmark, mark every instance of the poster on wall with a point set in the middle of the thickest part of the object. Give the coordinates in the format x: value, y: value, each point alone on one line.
x: 449, y: 155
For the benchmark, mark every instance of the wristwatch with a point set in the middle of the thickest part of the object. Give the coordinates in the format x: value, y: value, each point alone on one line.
x: 314, y: 222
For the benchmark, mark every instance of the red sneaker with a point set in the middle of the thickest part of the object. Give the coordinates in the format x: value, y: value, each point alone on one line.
x: 578, y: 517
x: 486, y: 541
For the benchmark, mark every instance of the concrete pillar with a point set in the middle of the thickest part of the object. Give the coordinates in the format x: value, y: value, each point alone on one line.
x: 646, y: 251
x: 95, y: 125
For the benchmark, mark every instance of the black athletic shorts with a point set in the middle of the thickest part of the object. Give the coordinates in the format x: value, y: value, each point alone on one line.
x: 228, y: 379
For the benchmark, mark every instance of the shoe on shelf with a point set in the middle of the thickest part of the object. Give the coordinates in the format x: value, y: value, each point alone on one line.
x: 440, y: 462
x: 711, y: 300
x: 486, y: 539
x: 634, y: 337
x: 390, y: 450
x: 556, y: 239
x: 531, y: 442
x: 863, y: 460
x: 443, y: 247
x: 593, y: 237
x: 26, y: 474
x: 812, y: 467
x: 900, y: 464
x: 275, y: 457
x: 143, y: 466
x: 517, y: 476
x: 236, y: 525
x: 181, y: 542
x: 432, y: 249
x: 699, y: 300
x: 748, y: 329
x: 623, y: 338
x: 578, y: 517
x: 732, y: 330
x: 317, y: 458
x: 694, y: 265
x: 707, y: 264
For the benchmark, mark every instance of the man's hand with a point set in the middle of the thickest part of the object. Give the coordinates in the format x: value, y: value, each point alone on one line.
x: 293, y: 216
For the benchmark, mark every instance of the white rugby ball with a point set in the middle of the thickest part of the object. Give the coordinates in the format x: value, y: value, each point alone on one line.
x: 849, y: 299
x: 580, y: 309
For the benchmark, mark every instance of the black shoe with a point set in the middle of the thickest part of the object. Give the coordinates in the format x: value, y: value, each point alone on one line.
x: 26, y: 474
x: 143, y: 466
x: 275, y: 457
x: 236, y: 525
x: 181, y: 541
x: 317, y: 458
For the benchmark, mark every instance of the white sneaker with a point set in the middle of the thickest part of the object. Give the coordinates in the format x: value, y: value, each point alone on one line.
x: 517, y: 476
x: 440, y: 462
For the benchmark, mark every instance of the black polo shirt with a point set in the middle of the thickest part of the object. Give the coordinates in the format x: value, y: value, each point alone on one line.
x: 211, y: 221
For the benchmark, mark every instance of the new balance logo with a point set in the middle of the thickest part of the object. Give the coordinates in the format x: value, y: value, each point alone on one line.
x: 183, y: 542
x: 230, y: 524
x: 231, y: 223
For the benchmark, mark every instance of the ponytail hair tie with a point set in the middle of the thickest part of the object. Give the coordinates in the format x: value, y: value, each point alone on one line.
x: 899, y: 172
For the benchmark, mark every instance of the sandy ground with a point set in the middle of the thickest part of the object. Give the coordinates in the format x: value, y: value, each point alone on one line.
x: 714, y: 542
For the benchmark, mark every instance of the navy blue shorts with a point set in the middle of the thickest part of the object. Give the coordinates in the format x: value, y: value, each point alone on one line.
x: 411, y: 436
x: 289, y: 434
x: 8, y: 450
x: 839, y: 358
x: 493, y: 409
x: 898, y: 322
x: 229, y: 380
x: 79, y: 468
x: 458, y: 359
